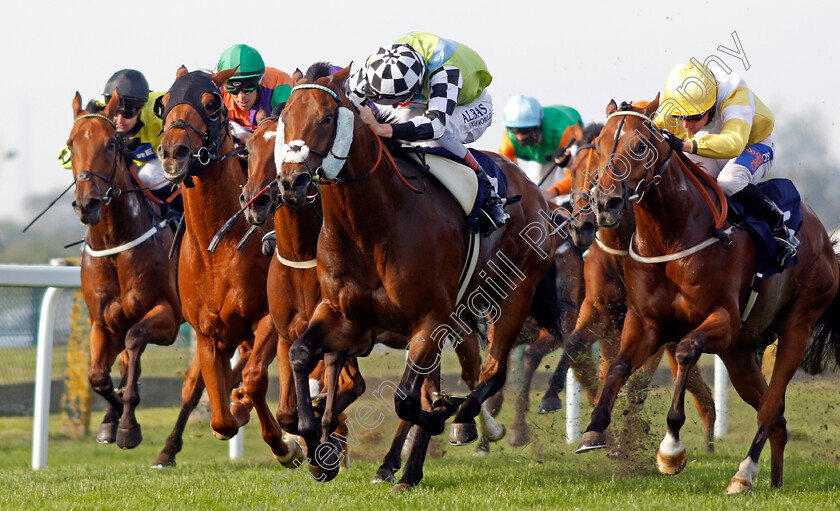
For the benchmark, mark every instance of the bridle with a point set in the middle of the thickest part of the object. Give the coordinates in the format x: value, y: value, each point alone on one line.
x: 88, y: 175
x: 188, y: 89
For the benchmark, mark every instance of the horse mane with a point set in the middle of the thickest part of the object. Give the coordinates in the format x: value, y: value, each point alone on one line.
x: 318, y: 70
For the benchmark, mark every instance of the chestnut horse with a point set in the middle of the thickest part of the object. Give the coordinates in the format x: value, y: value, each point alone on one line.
x: 223, y: 292
x: 293, y: 292
x: 696, y: 294
x: 129, y: 285
x: 605, y: 306
x: 390, y: 259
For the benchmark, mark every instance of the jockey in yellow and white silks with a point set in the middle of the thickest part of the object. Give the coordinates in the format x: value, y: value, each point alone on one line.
x: 727, y: 131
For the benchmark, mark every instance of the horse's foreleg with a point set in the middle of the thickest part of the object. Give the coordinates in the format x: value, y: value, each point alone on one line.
x: 190, y: 394
x: 287, y: 404
x: 349, y: 386
x: 494, y: 370
x: 703, y: 399
x: 158, y: 326
x: 412, y: 474
x: 671, y: 458
x: 218, y: 377
x: 637, y: 344
x: 103, y: 352
x: 392, y: 461
x: 546, y: 343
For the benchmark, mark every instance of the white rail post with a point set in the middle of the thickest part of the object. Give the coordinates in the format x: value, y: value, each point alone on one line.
x: 43, y: 378
x: 721, y: 388
x: 572, y: 407
x: 236, y: 449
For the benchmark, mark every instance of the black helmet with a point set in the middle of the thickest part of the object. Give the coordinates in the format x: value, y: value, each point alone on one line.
x: 131, y: 86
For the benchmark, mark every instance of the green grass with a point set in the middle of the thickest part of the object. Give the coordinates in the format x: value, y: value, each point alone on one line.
x: 544, y: 474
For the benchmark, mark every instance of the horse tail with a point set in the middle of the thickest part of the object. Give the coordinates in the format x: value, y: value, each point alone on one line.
x: 547, y: 307
x: 824, y: 342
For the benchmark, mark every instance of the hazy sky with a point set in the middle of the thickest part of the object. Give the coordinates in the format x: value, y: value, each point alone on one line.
x: 580, y: 54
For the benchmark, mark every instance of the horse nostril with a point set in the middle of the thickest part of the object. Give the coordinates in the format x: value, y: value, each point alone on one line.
x: 615, y: 204
x: 182, y: 152
x: 587, y: 228
x: 242, y: 200
x: 263, y: 200
x: 301, y: 181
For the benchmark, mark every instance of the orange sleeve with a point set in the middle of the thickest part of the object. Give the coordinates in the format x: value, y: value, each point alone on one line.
x: 506, y: 148
x: 564, y: 186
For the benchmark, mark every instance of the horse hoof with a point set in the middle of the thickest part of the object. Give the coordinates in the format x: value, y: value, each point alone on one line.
x: 164, y: 461
x: 293, y: 457
x: 107, y: 433
x: 222, y: 436
x: 519, y: 437
x: 592, y: 440
x: 670, y: 464
x: 463, y: 433
x: 129, y: 438
x: 321, y: 474
x: 482, y: 448
x: 383, y: 475
x: 739, y: 485
x: 401, y: 487
x: 550, y: 405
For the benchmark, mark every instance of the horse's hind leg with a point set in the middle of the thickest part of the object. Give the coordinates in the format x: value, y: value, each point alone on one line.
x: 469, y: 357
x: 190, y: 394
x: 103, y: 352
x: 546, y: 343
x: 412, y: 474
x: 703, y: 399
x: 158, y: 326
x: 392, y: 461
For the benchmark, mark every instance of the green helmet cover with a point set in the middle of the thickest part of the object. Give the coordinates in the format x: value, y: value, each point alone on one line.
x: 250, y: 62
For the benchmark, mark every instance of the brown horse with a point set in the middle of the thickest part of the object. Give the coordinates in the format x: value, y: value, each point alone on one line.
x: 223, y: 292
x: 695, y: 295
x: 294, y: 290
x: 605, y: 306
x: 129, y: 285
x: 390, y: 259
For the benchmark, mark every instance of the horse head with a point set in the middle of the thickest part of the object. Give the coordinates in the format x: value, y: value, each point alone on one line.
x: 194, y: 123
x: 262, y: 173
x: 583, y: 171
x: 630, y: 148
x: 95, y: 153
x: 314, y: 124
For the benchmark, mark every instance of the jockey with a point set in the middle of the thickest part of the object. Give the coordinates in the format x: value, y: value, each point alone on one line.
x: 431, y: 90
x: 532, y: 138
x: 139, y: 128
x: 253, y: 91
x: 728, y: 132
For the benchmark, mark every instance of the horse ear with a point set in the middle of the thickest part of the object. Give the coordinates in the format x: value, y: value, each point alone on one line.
x: 342, y: 75
x: 77, y: 104
x: 111, y: 108
x: 611, y: 107
x: 574, y: 131
x: 297, y: 76
x: 222, y: 77
x: 651, y: 108
x: 181, y: 71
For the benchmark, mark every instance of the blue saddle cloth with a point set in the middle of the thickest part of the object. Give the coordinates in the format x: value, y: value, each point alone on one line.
x: 492, y: 170
x: 784, y: 194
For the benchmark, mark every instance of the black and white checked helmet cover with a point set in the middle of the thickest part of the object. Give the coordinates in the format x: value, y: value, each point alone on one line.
x: 395, y: 72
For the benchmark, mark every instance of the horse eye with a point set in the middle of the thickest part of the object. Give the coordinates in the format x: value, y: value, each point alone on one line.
x: 328, y: 119
x: 641, y: 147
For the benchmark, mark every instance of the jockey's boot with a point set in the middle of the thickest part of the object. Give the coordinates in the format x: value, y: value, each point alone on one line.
x: 492, y: 206
x: 761, y: 208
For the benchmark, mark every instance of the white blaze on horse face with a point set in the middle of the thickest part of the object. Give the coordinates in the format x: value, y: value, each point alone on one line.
x: 296, y: 152
x: 268, y: 135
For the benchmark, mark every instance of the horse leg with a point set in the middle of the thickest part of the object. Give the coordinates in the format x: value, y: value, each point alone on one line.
x: 551, y: 399
x: 595, y: 323
x: 715, y: 329
x: 102, y: 356
x: 253, y: 393
x: 190, y: 394
x: 392, y: 461
x: 469, y: 357
x: 493, y: 372
x: 769, y: 402
x: 158, y: 326
x: 327, y: 332
x: 344, y: 384
x: 218, y: 377
x: 703, y: 399
x: 412, y: 474
x: 637, y: 344
x: 519, y: 432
